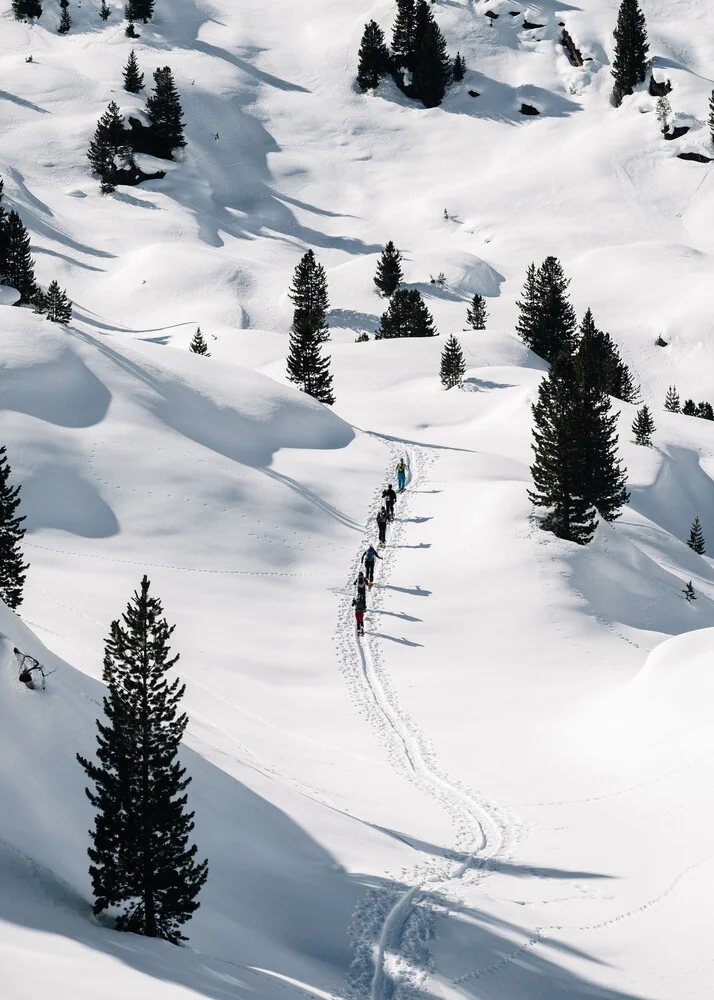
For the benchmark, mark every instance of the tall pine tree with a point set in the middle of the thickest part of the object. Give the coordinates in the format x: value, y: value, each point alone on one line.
x: 23, y: 9
x: 643, y: 427
x: 696, y: 538
x: 407, y: 316
x: 18, y: 267
x: 65, y: 20
x: 671, y: 400
x: 133, y: 79
x: 163, y: 109
x: 600, y: 363
x: 56, y: 305
x: 307, y: 367
x: 453, y: 366
x: 629, y: 66
x: 110, y: 150
x: 143, y: 10
x: 142, y: 861
x: 477, y: 314
x: 373, y: 57
x: 432, y: 70
x: 12, y: 568
x: 459, y: 68
x: 308, y: 294
x: 602, y: 479
x: 403, y: 50
x: 389, y: 274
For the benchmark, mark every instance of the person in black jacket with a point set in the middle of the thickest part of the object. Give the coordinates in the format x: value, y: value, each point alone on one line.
x: 382, y: 525
x: 368, y: 558
x: 361, y: 585
x: 360, y: 606
x: 390, y: 498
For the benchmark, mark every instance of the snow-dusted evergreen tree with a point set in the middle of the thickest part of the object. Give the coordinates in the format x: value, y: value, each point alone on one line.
x: 389, y: 274
x: 689, y: 592
x: 163, y: 109
x: 453, y: 366
x: 57, y: 306
x: 557, y: 469
x: 690, y: 408
x: 12, y: 568
x: 373, y: 57
x: 198, y: 344
x: 407, y: 316
x: 629, y: 66
x: 599, y: 360
x: 696, y: 538
x: 307, y: 367
x: 18, y: 266
x: 432, y: 69
x: 547, y: 321
x: 459, y: 68
x: 711, y: 116
x: 308, y: 294
x: 65, y: 20
x: 477, y: 314
x: 643, y: 426
x: 110, y: 151
x: 671, y: 400
x: 23, y: 9
x: 663, y: 111
x: 403, y: 37
x: 133, y: 79
x: 104, y: 10
x: 141, y: 860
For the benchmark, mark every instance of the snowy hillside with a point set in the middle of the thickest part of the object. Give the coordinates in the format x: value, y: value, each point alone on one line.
x: 503, y: 793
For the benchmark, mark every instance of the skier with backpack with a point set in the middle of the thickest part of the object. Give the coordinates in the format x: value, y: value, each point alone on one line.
x: 361, y: 584
x: 390, y: 498
x: 402, y: 469
x: 368, y: 558
x: 360, y: 606
x: 382, y: 526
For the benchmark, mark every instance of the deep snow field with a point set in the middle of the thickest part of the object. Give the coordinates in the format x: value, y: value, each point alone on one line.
x: 505, y: 792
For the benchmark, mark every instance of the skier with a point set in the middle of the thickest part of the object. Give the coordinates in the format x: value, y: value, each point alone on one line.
x: 368, y: 558
x: 360, y: 606
x: 382, y: 526
x: 361, y: 584
x: 390, y: 498
x: 402, y: 468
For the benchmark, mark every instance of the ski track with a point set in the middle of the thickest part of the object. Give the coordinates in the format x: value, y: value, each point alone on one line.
x: 391, y: 925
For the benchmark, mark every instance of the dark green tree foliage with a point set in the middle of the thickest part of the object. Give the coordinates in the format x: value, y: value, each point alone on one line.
x: 459, y: 68
x: 65, y: 20
x: 373, y: 57
x: 643, y: 426
x: 432, y: 71
x: 198, y: 344
x: 671, y: 400
x: 690, y: 408
x: 104, y: 10
x: 403, y: 50
x: 527, y: 326
x: 557, y: 469
x: 39, y: 302
x: 308, y: 294
x: 547, y: 322
x: 477, y: 314
x: 407, y: 316
x: 629, y: 66
x: 18, y: 267
x: 705, y: 411
x: 109, y: 151
x: 57, y: 306
x: 163, y: 109
x: 423, y: 19
x: 23, y: 9
x: 389, y: 274
x: 144, y: 10
x: 131, y: 10
x: 453, y: 366
x: 689, y: 592
x: 133, y: 79
x: 130, y: 31
x: 600, y: 363
x: 12, y: 568
x: 696, y: 538
x: 141, y: 859
x: 307, y: 367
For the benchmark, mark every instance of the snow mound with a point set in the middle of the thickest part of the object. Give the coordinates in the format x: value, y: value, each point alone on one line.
x: 8, y: 296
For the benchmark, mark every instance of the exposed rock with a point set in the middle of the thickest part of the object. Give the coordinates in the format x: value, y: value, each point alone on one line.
x: 473, y: 93
x: 528, y: 25
x: 528, y: 109
x: 660, y: 342
x: 574, y: 53
x: 491, y: 14
x: 677, y: 132
x: 659, y: 89
x: 514, y: 13
x: 696, y: 157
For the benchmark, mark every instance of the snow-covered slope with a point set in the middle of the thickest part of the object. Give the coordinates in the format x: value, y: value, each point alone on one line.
x: 504, y: 792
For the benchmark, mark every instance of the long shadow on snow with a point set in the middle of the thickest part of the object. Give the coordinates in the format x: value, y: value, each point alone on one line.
x: 22, y: 103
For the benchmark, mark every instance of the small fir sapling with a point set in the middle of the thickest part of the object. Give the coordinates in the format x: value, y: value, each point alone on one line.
x: 643, y: 426
x: 696, y: 538
x: 689, y: 593
x: 477, y: 314
x: 671, y: 400
x: 453, y: 366
x: 198, y: 344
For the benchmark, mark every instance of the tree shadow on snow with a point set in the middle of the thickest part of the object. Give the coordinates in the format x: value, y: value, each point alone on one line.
x: 350, y: 319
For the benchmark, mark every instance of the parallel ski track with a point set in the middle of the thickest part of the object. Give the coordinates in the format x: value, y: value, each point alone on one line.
x: 392, y: 924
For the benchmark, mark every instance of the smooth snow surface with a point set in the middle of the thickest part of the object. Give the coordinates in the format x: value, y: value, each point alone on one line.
x: 504, y: 791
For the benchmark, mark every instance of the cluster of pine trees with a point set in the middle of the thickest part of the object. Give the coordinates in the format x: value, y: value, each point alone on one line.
x: 690, y: 408
x: 418, y: 60
x: 111, y: 151
x: 24, y: 10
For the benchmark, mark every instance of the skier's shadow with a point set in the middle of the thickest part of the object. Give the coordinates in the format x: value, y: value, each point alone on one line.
x: 396, y: 614
x: 393, y: 638
x: 414, y: 591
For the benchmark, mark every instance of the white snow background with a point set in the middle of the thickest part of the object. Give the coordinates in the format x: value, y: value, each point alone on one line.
x: 507, y: 794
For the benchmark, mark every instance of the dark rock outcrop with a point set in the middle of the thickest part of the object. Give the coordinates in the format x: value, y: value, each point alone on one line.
x: 574, y: 53
x: 528, y: 109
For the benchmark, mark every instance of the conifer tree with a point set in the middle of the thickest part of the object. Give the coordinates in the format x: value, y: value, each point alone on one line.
x: 23, y: 9
x: 711, y: 116
x: 453, y: 366
x: 163, y: 109
x: 133, y: 79
x: 477, y: 314
x: 65, y: 20
x: 307, y: 367
x: 143, y: 9
x: 696, y: 538
x: 403, y: 38
x: 131, y: 10
x: 39, y: 302
x: 19, y: 267
x: 104, y: 10
x: 389, y: 274
x: 12, y: 568
x: 705, y: 411
x: 459, y: 68
x: 629, y: 65
x: 308, y: 293
x: 643, y: 426
x: 432, y: 70
x: 527, y: 325
x: 198, y: 344
x: 423, y: 19
x: 57, y: 306
x: 110, y: 150
x: 373, y: 57
x: 130, y: 31
x: 599, y: 361
x: 689, y: 592
x: 690, y: 408
x: 547, y: 319
x: 407, y: 316
x: 671, y: 400
x: 142, y: 862
x: 557, y: 469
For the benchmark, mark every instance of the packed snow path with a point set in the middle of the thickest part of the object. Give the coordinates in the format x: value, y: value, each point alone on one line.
x: 391, y: 926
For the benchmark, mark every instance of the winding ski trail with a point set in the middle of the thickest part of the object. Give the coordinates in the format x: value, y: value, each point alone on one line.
x: 390, y: 925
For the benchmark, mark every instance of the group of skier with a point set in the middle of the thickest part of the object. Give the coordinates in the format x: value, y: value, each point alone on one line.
x: 385, y: 516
